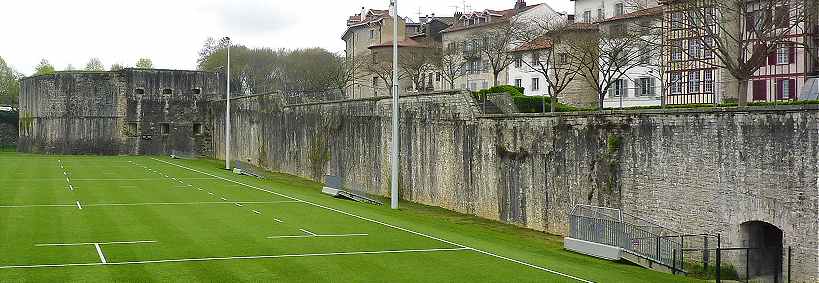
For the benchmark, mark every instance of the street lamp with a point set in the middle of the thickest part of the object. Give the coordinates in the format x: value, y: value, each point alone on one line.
x: 227, y: 107
x: 395, y: 96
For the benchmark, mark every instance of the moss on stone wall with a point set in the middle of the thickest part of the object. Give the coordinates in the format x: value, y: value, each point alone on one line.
x: 26, y: 121
x: 319, y: 155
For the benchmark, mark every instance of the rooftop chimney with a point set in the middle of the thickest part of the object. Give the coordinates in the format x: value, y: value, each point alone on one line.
x: 363, y: 14
x: 520, y: 4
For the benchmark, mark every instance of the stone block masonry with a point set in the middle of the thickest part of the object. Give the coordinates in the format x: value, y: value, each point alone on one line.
x: 695, y: 171
x: 8, y: 129
x: 132, y: 111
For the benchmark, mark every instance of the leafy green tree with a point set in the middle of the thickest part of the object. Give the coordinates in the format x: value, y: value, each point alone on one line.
x: 261, y: 70
x: 44, y: 68
x: 144, y: 63
x: 9, y: 84
x: 94, y: 64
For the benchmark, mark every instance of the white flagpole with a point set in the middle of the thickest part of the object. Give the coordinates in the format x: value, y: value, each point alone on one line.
x: 227, y: 108
x: 395, y: 142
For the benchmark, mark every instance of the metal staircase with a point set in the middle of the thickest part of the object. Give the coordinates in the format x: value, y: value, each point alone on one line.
x: 611, y: 234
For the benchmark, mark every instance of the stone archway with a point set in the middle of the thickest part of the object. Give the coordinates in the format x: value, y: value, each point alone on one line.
x: 765, y: 255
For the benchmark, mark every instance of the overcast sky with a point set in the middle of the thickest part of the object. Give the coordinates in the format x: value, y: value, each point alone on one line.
x: 171, y: 32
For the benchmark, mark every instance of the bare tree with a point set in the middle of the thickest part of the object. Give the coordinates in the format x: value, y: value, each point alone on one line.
x: 495, y: 45
x: 546, y: 41
x: 452, y: 63
x: 380, y: 66
x: 740, y: 34
x: 346, y: 71
x: 94, y: 64
x: 416, y: 61
x: 604, y: 57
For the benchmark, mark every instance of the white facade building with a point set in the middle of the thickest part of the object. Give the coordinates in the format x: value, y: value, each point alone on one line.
x: 523, y: 75
x: 641, y: 85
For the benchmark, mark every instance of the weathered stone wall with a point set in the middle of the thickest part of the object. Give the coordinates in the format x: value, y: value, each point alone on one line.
x: 696, y: 171
x: 116, y: 112
x: 8, y: 129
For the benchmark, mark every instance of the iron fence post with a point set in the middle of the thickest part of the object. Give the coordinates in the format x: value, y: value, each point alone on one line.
x: 674, y: 261
x: 705, y: 254
x: 789, y: 263
x: 719, y: 259
x: 747, y: 265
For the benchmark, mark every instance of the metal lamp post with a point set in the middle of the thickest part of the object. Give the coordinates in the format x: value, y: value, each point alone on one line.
x: 227, y: 107
x: 395, y: 96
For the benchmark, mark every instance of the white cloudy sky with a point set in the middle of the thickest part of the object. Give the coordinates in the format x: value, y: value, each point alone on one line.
x: 171, y: 32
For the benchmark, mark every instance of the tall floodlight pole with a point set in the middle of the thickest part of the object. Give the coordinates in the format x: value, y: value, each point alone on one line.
x: 395, y: 95
x: 227, y: 107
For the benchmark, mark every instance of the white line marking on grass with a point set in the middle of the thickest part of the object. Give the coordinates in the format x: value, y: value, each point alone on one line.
x: 319, y: 236
x: 78, y: 205
x: 70, y: 187
x: 256, y: 211
x: 224, y: 199
x: 99, y: 252
x: 379, y: 222
x: 144, y: 204
x: 102, y: 243
x: 238, y: 204
x: 210, y: 193
x: 235, y: 258
x: 277, y: 220
x: 308, y: 232
x: 38, y: 205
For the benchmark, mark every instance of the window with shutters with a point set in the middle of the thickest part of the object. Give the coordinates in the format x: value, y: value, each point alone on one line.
x: 535, y: 84
x: 587, y: 17
x: 619, y: 88
x: 785, y: 88
x: 518, y: 82
x: 518, y: 61
x: 646, y: 86
x: 601, y: 14
x: 535, y: 58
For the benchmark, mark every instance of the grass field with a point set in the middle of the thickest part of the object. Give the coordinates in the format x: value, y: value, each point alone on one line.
x: 146, y: 219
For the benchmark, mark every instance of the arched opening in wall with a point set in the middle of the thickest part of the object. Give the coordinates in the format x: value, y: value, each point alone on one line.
x: 139, y: 91
x: 167, y: 91
x: 765, y: 251
x: 196, y: 91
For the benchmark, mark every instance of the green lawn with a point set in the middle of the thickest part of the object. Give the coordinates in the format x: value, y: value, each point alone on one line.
x: 145, y: 219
